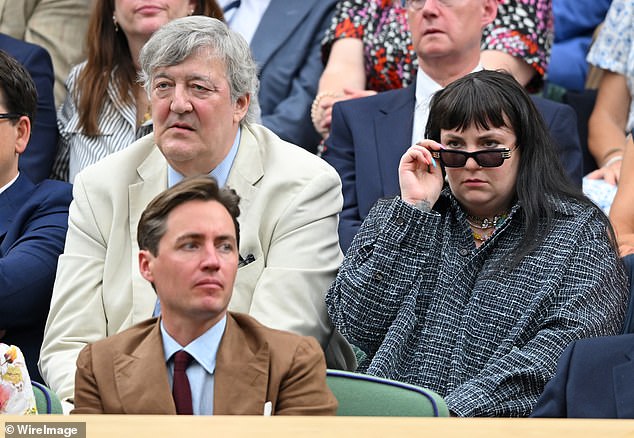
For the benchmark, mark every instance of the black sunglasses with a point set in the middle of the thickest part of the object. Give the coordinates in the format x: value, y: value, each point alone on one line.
x: 485, y: 158
x: 10, y: 116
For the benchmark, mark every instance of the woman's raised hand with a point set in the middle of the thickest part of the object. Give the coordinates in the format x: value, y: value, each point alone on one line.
x: 420, y: 175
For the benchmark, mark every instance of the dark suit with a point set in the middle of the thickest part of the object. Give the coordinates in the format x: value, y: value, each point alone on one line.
x: 126, y: 373
x: 594, y: 379
x: 37, y: 160
x: 369, y: 135
x: 287, y: 48
x: 33, y: 222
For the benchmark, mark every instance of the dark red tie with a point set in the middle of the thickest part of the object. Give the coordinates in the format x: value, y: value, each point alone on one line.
x: 181, y: 391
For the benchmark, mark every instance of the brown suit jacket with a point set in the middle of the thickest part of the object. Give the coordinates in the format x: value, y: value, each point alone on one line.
x: 126, y: 373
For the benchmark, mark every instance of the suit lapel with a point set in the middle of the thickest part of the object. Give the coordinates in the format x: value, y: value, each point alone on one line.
x: 11, y: 200
x: 623, y: 384
x: 152, y: 180
x: 144, y: 367
x: 246, y: 171
x: 276, y: 26
x: 393, y: 127
x: 241, y: 376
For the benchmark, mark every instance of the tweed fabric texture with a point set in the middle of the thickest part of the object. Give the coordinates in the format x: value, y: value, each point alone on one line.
x: 431, y: 309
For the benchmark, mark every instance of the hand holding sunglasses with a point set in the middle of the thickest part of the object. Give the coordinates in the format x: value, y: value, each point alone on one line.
x: 420, y: 177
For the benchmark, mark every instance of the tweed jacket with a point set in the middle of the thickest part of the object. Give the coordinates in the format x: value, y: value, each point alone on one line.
x: 126, y: 373
x: 430, y: 308
x: 289, y: 204
x: 117, y: 130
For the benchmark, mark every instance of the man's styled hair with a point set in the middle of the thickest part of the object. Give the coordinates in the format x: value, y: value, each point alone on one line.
x: 153, y: 223
x: 181, y: 38
x: 17, y: 88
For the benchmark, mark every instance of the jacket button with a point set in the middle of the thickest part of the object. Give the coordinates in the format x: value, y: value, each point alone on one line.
x: 378, y: 277
x: 464, y: 252
x: 399, y: 221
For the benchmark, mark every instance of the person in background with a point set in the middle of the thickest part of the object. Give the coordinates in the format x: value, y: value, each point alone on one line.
x: 58, y: 26
x: 593, y: 380
x: 33, y: 221
x: 285, y: 38
x: 613, y: 113
x: 368, y: 48
x: 369, y: 135
x: 200, y: 77
x: 106, y: 109
x: 37, y: 160
x: 576, y: 22
x: 188, y: 238
x: 473, y: 288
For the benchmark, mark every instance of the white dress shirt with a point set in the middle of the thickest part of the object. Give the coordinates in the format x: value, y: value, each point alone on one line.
x: 425, y: 89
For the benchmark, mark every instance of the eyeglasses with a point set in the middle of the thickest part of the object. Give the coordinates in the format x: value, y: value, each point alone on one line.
x: 10, y: 116
x: 485, y: 158
x: 417, y: 5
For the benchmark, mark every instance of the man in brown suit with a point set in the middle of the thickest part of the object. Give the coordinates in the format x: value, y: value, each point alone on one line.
x: 188, y: 239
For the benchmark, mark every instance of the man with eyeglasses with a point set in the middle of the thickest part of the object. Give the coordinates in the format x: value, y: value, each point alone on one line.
x: 369, y: 135
x: 33, y: 221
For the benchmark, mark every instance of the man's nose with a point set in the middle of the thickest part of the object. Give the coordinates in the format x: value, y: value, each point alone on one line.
x: 181, y: 102
x: 210, y: 258
x: 430, y: 7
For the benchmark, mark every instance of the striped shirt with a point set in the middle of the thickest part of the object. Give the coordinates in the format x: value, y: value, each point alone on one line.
x: 116, y: 124
x: 429, y: 308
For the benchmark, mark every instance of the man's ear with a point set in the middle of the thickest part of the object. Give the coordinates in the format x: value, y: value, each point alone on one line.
x: 490, y: 11
x: 241, y: 107
x: 145, y: 265
x: 23, y: 134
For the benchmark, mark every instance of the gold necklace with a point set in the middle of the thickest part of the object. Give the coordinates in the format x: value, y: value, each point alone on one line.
x: 484, y: 224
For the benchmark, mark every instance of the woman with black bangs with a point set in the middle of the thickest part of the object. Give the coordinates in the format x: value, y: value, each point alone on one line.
x: 474, y: 287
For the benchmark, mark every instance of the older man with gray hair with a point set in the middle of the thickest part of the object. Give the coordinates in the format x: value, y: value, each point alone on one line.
x: 202, y: 85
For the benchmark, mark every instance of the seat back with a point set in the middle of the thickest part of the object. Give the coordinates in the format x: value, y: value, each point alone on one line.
x: 365, y: 395
x: 47, y: 401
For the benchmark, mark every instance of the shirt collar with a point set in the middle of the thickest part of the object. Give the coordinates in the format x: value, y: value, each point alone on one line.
x: 221, y: 172
x: 9, y: 184
x: 203, y: 349
x: 426, y: 86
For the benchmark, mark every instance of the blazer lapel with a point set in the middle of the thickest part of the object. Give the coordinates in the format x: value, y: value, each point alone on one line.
x: 623, y: 384
x: 241, y: 376
x: 247, y: 170
x: 11, y: 200
x: 393, y: 127
x: 152, y: 180
x: 133, y: 373
x: 276, y: 26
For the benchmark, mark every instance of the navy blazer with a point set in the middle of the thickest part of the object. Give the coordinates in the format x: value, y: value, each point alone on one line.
x: 594, y: 379
x: 287, y: 48
x: 369, y: 136
x: 33, y: 223
x: 37, y: 160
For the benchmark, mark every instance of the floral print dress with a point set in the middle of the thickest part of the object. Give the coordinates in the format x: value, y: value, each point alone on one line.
x: 522, y: 28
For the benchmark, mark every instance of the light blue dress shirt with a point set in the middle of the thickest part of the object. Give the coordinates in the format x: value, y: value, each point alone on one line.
x: 200, y: 371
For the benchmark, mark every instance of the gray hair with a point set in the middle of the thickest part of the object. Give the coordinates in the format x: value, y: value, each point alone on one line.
x: 183, y: 37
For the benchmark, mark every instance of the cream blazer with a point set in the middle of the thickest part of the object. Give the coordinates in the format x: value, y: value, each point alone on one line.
x: 290, y: 201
